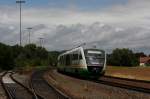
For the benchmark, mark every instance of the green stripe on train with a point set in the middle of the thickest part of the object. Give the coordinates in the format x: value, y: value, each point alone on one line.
x: 79, y: 71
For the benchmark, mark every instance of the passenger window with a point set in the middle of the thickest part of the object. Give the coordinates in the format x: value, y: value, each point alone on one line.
x: 80, y: 56
x: 68, y: 60
x: 60, y: 61
x: 64, y: 60
x: 75, y: 56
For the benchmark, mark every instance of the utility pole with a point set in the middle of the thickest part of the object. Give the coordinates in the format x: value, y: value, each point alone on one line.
x: 20, y: 3
x: 29, y: 30
x: 41, y: 41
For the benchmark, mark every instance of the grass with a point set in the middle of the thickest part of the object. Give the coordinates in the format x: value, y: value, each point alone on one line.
x: 141, y: 73
x: 28, y: 69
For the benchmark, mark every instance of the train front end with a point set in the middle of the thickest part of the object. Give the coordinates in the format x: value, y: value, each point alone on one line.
x: 96, y: 61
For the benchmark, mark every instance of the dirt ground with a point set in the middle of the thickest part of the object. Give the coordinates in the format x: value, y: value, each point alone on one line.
x: 141, y: 73
x: 83, y: 89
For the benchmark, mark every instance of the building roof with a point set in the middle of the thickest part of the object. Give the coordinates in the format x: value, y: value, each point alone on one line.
x: 144, y: 59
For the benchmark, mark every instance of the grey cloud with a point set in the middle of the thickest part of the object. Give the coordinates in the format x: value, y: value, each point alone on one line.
x: 64, y: 37
x: 104, y: 36
x: 7, y: 33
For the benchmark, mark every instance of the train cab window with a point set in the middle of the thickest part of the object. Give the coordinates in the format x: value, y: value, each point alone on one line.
x: 95, y: 57
x: 96, y: 54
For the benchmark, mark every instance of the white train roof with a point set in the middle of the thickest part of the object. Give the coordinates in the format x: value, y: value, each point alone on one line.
x: 72, y: 50
x: 76, y: 49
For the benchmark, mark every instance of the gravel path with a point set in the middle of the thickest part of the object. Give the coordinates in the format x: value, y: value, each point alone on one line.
x: 89, y: 90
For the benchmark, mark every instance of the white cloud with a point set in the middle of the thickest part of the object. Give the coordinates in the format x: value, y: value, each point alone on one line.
x: 121, y: 25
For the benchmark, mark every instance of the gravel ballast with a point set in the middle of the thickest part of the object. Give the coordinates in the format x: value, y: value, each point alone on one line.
x: 83, y: 89
x: 2, y: 92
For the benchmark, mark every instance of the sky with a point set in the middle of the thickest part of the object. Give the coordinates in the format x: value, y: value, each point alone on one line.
x: 64, y: 24
x: 83, y: 4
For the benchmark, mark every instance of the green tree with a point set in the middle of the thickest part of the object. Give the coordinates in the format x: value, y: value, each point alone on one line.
x: 52, y: 57
x: 6, y: 57
x: 28, y: 56
x: 30, y: 51
x: 123, y: 57
x: 32, y: 55
x: 140, y: 54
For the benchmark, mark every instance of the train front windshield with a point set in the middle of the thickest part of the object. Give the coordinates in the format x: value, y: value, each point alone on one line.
x: 95, y: 58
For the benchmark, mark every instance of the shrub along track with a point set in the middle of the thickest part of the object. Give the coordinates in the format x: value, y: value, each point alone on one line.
x: 131, y: 84
x: 42, y: 88
x: 15, y: 90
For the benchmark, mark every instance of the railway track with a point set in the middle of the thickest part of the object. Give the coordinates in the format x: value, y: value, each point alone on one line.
x: 42, y: 88
x: 131, y: 84
x: 3, y: 94
x: 14, y: 89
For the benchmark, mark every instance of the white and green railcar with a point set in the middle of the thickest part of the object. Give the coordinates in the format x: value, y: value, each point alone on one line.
x: 84, y: 62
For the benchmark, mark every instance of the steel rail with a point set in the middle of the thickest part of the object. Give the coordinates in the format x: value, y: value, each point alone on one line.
x: 112, y: 81
x: 56, y: 91
x: 129, y: 79
x: 120, y: 84
x: 28, y: 89
x: 60, y: 92
x: 8, y: 93
x: 33, y: 89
